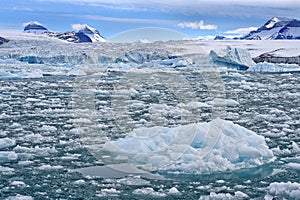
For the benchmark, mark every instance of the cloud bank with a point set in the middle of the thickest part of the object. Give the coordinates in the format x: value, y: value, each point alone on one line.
x: 241, y: 31
x: 197, y: 25
x: 237, y: 8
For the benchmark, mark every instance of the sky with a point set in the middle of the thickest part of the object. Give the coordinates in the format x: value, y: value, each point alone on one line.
x: 112, y: 18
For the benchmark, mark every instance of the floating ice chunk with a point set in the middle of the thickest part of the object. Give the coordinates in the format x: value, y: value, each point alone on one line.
x: 25, y: 162
x: 50, y: 167
x: 295, y: 147
x: 195, y: 148
x: 37, y: 151
x: 223, y: 102
x: 285, y: 190
x: 274, y: 68
x: 108, y: 192
x: 148, y: 191
x: 6, y: 142
x: 6, y: 169
x: 34, y: 138
x: 214, y: 195
x: 173, y: 190
x: 8, y: 156
x: 220, y: 181
x: 19, y: 197
x: 240, y: 195
x: 224, y: 196
x: 48, y: 128
x: 18, y: 183
x: 79, y: 182
x: 293, y: 166
x: 232, y: 58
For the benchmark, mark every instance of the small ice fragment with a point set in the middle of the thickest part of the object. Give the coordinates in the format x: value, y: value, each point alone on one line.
x: 6, y: 142
x: 173, y: 190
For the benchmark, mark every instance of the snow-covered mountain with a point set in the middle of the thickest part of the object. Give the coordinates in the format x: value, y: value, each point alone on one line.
x: 3, y: 40
x: 83, y: 33
x: 34, y: 27
x: 92, y: 33
x: 277, y: 28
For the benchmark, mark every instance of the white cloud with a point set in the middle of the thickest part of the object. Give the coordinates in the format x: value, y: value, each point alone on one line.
x: 78, y: 27
x: 256, y: 9
x: 130, y: 20
x: 197, y: 25
x: 241, y: 31
x: 207, y: 37
x: 288, y: 3
x: 247, y: 8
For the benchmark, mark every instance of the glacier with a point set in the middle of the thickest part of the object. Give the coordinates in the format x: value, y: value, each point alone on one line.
x: 34, y: 49
x: 219, y: 145
x: 137, y: 54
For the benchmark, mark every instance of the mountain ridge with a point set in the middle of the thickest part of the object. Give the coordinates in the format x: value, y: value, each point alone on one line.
x: 277, y: 28
x: 83, y: 34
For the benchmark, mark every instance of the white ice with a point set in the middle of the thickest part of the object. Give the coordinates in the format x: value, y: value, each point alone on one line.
x: 8, y: 156
x: 232, y: 57
x: 275, y: 68
x: 225, y: 196
x: 19, y: 197
x: 6, y: 142
x: 195, y: 148
x: 284, y: 190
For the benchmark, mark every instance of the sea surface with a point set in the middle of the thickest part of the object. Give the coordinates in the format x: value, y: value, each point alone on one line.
x: 41, y: 116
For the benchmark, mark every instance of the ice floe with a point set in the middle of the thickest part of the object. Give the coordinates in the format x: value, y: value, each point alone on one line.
x: 284, y: 190
x: 195, y: 148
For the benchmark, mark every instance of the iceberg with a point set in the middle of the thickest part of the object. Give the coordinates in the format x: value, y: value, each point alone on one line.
x: 232, y: 57
x: 219, y: 145
x: 274, y: 68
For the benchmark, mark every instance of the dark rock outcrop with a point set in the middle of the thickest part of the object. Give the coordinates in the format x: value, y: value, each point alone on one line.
x: 3, y: 40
